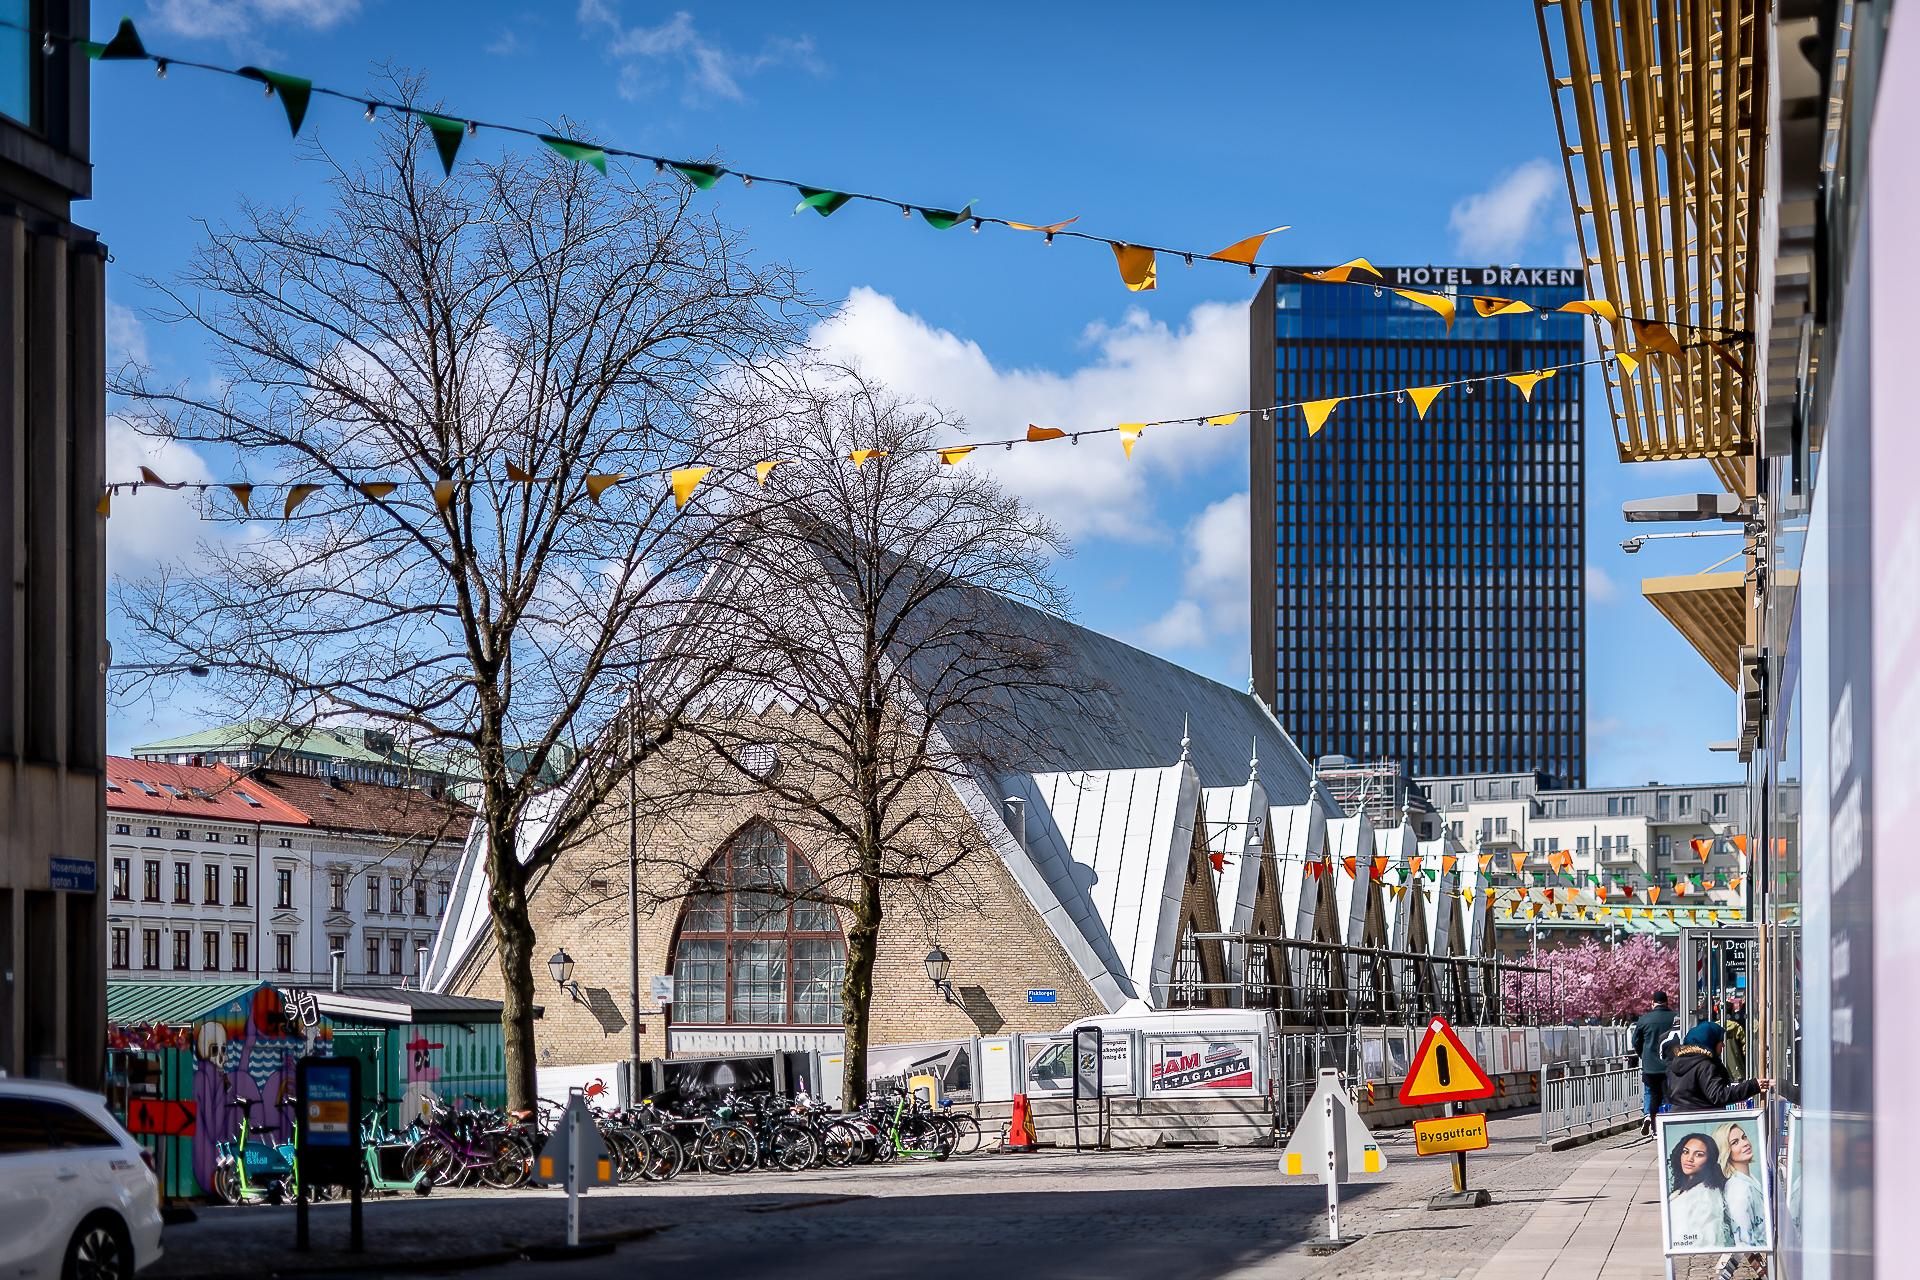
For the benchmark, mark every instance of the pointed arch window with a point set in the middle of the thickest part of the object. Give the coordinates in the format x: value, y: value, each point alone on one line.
x: 747, y: 952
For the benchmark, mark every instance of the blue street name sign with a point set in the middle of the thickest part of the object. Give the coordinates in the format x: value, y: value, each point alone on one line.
x: 1041, y: 995
x: 75, y: 875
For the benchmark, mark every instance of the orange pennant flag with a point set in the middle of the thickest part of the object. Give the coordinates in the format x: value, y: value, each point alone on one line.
x: 1447, y: 864
x: 1423, y: 397
x: 104, y: 507
x: 1342, y: 273
x: 1528, y: 381
x: 243, y: 494
x: 1379, y: 867
x: 1489, y: 307
x: 1701, y: 848
x: 1655, y: 336
x: 1413, y: 864
x: 1439, y: 302
x: 1519, y: 861
x: 377, y: 489
x: 599, y: 484
x: 684, y: 480
x: 518, y: 476
x: 1245, y: 251
x: 1592, y: 307
x: 296, y: 495
x: 1347, y: 864
x: 950, y: 456
x: 1653, y: 893
x: 1740, y: 843
x: 1037, y: 434
x: 1486, y: 860
x: 1136, y: 266
x: 1317, y: 412
x: 442, y: 494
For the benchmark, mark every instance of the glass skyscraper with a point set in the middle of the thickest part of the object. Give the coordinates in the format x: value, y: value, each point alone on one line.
x: 1417, y: 584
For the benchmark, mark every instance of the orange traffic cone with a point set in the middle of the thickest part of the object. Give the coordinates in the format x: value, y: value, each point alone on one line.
x: 1020, y: 1134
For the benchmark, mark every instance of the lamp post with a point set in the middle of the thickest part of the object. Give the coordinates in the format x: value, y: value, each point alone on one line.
x: 633, y: 886
x: 561, y: 967
x: 939, y: 965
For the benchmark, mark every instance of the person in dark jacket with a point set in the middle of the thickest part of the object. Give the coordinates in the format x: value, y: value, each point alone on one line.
x: 1648, y: 1032
x: 1698, y: 1081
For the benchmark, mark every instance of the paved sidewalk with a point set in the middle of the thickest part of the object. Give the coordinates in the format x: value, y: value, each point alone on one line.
x: 1602, y: 1222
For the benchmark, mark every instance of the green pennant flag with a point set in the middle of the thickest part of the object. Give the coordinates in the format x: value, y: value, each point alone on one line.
x: 824, y: 203
x: 125, y: 45
x: 578, y: 152
x: 447, y: 133
x: 942, y: 219
x: 294, y: 92
x: 701, y: 176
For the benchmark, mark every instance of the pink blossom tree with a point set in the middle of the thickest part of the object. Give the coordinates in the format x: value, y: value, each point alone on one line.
x: 1593, y: 980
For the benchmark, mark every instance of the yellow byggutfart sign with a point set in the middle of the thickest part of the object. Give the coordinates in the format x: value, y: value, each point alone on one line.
x: 1450, y: 1133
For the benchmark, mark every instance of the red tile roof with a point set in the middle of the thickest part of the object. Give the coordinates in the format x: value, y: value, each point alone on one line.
x: 188, y: 791
x: 407, y: 812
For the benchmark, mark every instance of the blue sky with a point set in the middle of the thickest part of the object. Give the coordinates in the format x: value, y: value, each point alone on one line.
x: 1406, y: 133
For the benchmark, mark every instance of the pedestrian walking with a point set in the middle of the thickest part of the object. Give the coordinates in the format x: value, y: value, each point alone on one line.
x: 1652, y: 1028
x: 1697, y: 1080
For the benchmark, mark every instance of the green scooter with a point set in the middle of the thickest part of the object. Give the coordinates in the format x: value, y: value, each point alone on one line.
x: 385, y: 1156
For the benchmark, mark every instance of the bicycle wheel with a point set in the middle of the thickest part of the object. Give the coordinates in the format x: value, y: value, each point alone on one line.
x: 794, y: 1146
x: 628, y: 1152
x: 966, y: 1128
x: 880, y: 1143
x: 841, y: 1144
x: 226, y: 1183
x: 665, y: 1157
x: 512, y: 1162
x: 732, y: 1149
x: 428, y: 1158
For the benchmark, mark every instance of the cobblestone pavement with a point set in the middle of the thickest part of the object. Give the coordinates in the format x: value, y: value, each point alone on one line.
x: 1164, y: 1214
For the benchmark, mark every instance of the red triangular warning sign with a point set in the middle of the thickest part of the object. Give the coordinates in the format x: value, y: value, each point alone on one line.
x: 1443, y: 1070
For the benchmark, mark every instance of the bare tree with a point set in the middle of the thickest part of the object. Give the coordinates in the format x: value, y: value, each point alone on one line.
x: 488, y: 342
x: 881, y: 662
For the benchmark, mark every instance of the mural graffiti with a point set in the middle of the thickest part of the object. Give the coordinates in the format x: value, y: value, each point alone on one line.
x: 422, y: 1072
x: 247, y: 1050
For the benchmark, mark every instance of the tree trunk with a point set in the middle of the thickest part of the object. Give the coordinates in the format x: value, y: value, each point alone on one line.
x: 513, y: 939
x: 856, y: 992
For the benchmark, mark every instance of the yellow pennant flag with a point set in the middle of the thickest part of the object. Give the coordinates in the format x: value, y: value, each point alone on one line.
x: 1468, y: 895
x: 1592, y: 307
x: 599, y: 484
x: 950, y: 456
x: 1048, y: 227
x: 377, y: 489
x: 148, y: 477
x: 761, y: 470
x: 518, y: 476
x: 1423, y: 397
x: 1439, y: 302
x: 1489, y: 307
x: 443, y: 491
x: 296, y: 495
x: 243, y: 494
x: 1245, y: 251
x: 1223, y: 419
x: 1136, y: 266
x: 859, y: 456
x: 1317, y: 412
x: 1343, y: 272
x: 1130, y: 435
x: 1655, y: 336
x: 1528, y: 381
x: 105, y: 505
x: 1037, y: 434
x: 1628, y: 363
x: 684, y: 479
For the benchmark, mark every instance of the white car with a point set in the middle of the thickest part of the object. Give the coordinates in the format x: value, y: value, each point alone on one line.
x: 77, y: 1200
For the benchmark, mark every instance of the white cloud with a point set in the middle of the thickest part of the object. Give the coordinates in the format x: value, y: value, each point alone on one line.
x: 1214, y: 593
x: 711, y: 70
x: 239, y: 21
x: 1601, y: 588
x: 154, y: 526
x: 1138, y: 369
x: 1495, y: 225
x: 505, y: 44
x: 126, y: 336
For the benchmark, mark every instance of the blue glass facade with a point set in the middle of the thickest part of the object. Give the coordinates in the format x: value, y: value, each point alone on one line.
x: 1417, y: 584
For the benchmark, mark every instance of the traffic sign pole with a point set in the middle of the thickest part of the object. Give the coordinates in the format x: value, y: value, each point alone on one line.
x: 1459, y: 1157
x: 574, y: 1116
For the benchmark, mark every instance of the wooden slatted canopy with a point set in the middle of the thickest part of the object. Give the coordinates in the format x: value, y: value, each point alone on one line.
x: 1661, y: 107
x: 1710, y: 610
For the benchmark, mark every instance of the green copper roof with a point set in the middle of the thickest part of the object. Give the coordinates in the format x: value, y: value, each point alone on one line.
x: 273, y: 735
x: 171, y: 1003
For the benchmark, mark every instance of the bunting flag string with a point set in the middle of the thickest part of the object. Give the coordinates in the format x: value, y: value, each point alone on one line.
x: 1137, y: 262
x: 684, y: 479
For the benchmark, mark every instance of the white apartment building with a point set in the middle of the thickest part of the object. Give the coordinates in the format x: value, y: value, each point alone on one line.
x: 1622, y: 835
x: 265, y: 874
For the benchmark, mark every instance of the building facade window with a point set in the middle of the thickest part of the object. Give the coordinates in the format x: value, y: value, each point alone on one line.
x: 1582, y: 844
x: 242, y: 961
x: 283, y: 888
x: 336, y: 942
x: 210, y: 949
x: 239, y: 886
x: 1719, y: 804
x: 420, y: 897
x: 210, y: 884
x: 149, y: 948
x: 396, y: 960
x: 373, y: 895
x: 183, y: 882
x: 396, y: 895
x: 182, y: 949
x: 286, y: 842
x: 122, y: 829
x: 373, y: 955
x: 283, y: 953
x: 337, y: 890
x: 747, y: 951
x: 122, y: 948
x: 123, y: 878
x: 442, y: 890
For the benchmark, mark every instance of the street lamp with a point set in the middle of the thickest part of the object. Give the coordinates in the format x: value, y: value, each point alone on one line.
x: 561, y: 967
x: 938, y: 966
